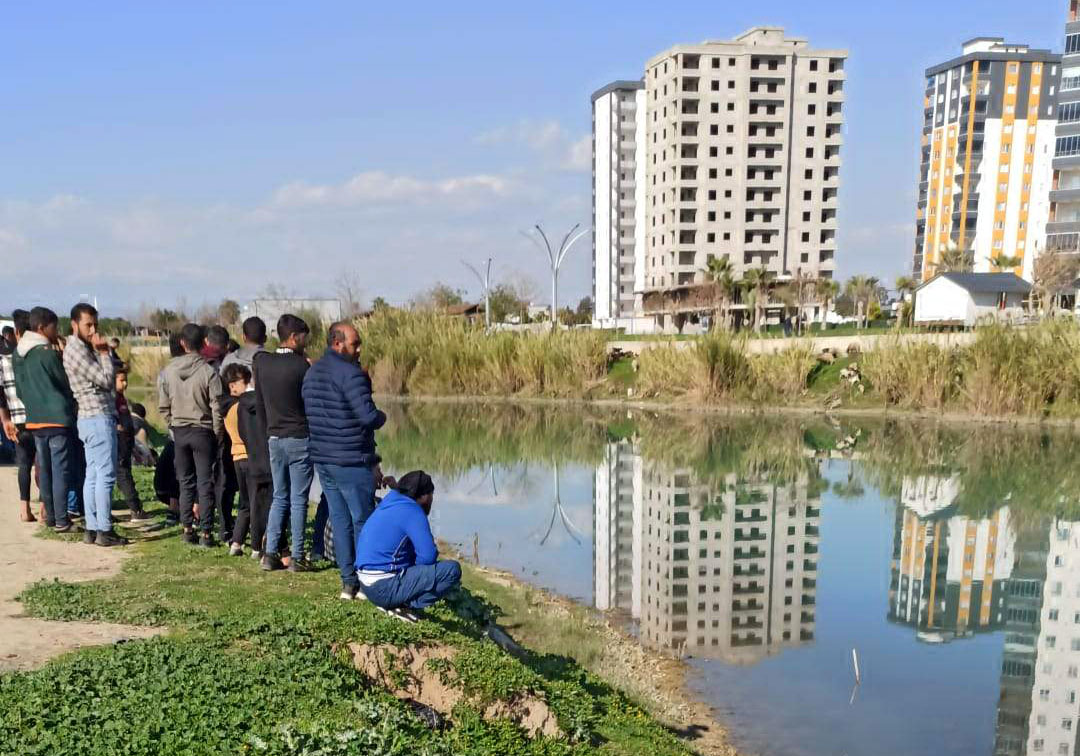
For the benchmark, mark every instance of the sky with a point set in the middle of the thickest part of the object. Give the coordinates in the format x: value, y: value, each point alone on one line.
x: 176, y: 154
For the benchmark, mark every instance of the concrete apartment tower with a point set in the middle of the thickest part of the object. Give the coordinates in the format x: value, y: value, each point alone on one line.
x: 741, y: 148
x: 987, y: 145
x: 1063, y: 230
x: 619, y: 205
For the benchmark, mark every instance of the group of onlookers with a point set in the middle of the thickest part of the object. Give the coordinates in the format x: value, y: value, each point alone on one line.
x: 244, y: 423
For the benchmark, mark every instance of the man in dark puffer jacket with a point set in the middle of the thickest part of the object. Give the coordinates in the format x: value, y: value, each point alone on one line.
x: 342, y: 420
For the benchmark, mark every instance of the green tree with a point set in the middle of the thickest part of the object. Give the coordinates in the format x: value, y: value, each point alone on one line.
x: 720, y: 273
x: 862, y: 289
x: 1002, y: 261
x: 228, y: 312
x: 379, y: 304
x: 756, y: 284
x: 828, y: 289
x: 505, y: 302
x: 905, y: 287
x: 439, y: 297
x: 166, y: 320
x: 584, y: 311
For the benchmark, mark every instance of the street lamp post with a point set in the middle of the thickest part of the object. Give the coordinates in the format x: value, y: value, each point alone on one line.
x: 556, y: 260
x: 485, y: 282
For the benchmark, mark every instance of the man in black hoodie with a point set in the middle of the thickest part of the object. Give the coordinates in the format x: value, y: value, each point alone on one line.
x: 278, y: 381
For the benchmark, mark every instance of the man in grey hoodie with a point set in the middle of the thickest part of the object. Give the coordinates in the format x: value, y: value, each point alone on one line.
x: 254, y: 342
x: 189, y: 400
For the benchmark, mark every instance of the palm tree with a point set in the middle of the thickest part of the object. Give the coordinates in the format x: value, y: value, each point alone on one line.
x: 1006, y: 262
x: 829, y: 289
x: 719, y: 271
x: 861, y: 289
x: 756, y: 284
x: 804, y: 286
x: 954, y: 259
x: 905, y: 286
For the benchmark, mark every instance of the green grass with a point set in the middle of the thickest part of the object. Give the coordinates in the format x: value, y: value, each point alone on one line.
x: 621, y: 374
x: 251, y: 665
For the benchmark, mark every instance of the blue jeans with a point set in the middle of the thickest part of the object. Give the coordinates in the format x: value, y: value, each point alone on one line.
x: 290, y: 467
x: 98, y: 435
x: 416, y: 587
x: 53, y: 455
x: 350, y: 497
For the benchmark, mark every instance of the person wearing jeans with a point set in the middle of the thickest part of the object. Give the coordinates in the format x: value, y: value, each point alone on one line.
x: 278, y: 379
x: 397, y: 561
x: 189, y: 393
x: 43, y: 387
x: 342, y: 419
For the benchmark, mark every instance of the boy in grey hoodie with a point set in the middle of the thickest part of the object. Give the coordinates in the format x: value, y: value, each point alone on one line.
x: 189, y: 400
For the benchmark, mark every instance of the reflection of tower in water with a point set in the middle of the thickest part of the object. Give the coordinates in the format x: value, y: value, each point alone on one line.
x: 948, y: 570
x: 727, y: 569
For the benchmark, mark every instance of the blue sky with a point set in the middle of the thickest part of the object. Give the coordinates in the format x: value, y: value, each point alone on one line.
x: 162, y: 153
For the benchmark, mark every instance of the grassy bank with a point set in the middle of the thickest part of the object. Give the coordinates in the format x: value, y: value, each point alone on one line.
x: 1032, y: 371
x: 266, y: 664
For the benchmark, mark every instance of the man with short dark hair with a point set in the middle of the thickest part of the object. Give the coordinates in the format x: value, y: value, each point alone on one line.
x: 342, y: 419
x: 254, y: 330
x: 278, y: 400
x: 13, y: 415
x: 189, y: 400
x: 215, y: 346
x: 91, y: 373
x: 42, y: 386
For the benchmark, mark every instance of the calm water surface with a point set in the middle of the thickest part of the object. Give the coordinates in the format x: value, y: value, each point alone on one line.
x: 767, y: 551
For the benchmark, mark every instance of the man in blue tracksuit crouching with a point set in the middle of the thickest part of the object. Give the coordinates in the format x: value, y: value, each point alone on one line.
x: 397, y: 562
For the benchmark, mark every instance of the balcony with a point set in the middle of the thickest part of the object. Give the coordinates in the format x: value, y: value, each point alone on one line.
x: 1069, y: 83
x: 750, y: 590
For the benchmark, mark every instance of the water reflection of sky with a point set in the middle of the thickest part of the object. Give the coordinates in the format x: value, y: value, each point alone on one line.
x: 966, y: 618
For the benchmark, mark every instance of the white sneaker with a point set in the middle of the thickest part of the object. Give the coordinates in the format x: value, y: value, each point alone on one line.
x: 346, y: 595
x: 256, y: 555
x: 236, y: 550
x: 400, y: 613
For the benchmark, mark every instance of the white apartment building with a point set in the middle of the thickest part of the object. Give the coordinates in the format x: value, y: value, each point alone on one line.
x: 1063, y: 230
x: 619, y: 206
x: 740, y: 142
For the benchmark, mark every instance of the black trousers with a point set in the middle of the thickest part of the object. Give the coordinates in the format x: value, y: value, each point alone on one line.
x: 125, y: 445
x: 195, y: 455
x: 254, y: 508
x: 226, y: 488
x: 25, y: 453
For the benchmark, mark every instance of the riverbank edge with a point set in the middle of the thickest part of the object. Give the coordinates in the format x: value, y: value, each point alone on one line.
x: 657, y: 681
x: 742, y: 410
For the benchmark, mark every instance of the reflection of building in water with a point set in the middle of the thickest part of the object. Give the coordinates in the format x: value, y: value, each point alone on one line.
x: 948, y: 572
x: 727, y: 570
x: 1054, y: 725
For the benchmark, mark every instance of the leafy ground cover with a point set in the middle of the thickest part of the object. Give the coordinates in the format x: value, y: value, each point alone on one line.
x: 257, y: 663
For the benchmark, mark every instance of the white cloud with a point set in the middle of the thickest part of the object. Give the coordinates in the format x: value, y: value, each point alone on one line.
x: 547, y: 139
x: 378, y: 188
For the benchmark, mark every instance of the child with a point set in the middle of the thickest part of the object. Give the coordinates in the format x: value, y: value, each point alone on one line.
x: 236, y: 382
x: 248, y: 435
x: 125, y: 444
x: 145, y: 456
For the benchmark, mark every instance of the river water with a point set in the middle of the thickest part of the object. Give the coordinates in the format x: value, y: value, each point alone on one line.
x: 776, y: 555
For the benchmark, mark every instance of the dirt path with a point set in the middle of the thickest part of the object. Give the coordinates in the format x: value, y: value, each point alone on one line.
x: 26, y: 642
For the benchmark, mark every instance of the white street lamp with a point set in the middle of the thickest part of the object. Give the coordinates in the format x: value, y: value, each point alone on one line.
x: 485, y: 283
x: 556, y: 260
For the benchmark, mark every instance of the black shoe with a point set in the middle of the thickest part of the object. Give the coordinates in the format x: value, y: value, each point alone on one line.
x: 271, y: 562
x: 188, y: 536
x: 139, y: 514
x: 207, y: 541
x: 90, y: 537
x: 110, y: 538
x: 69, y: 528
x: 300, y: 565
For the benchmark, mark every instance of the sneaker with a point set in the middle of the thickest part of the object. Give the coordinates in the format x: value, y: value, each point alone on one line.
x: 206, y: 540
x: 271, y: 562
x: 399, y: 613
x: 188, y: 536
x: 299, y: 565
x: 90, y: 537
x: 110, y: 538
x: 236, y: 550
x: 256, y: 555
x: 64, y: 528
x: 346, y: 595
x: 139, y: 515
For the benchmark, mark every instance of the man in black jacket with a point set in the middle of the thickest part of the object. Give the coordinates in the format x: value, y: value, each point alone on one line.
x: 278, y: 380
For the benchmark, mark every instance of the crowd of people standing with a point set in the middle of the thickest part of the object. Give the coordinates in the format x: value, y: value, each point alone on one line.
x: 245, y: 424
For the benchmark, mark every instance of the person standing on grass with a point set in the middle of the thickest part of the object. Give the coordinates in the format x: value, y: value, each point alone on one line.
x: 343, y: 419
x: 397, y: 562
x: 214, y: 352
x: 13, y: 415
x: 42, y: 386
x: 125, y: 447
x: 278, y: 381
x: 189, y: 400
x: 91, y: 373
x: 254, y: 330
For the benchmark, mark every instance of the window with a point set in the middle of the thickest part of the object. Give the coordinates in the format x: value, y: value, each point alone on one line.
x: 1051, y: 641
x: 808, y: 173
x: 811, y: 109
x: 1053, y: 615
x: 731, y: 84
x: 715, y: 86
x: 1072, y: 43
x: 731, y: 107
x: 813, y: 65
x: 812, y: 88
x: 714, y: 107
x: 1069, y: 112
x: 1075, y: 645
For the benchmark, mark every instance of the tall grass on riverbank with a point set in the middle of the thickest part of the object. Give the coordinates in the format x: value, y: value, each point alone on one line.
x: 431, y: 354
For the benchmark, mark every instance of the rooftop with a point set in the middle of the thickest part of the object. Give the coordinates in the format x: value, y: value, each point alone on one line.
x: 982, y: 283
